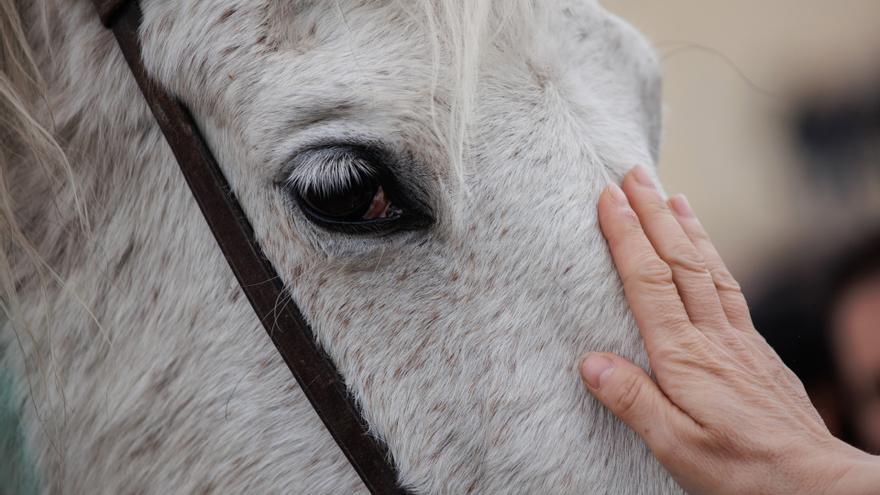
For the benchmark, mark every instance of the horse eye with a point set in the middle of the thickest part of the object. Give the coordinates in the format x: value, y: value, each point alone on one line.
x: 361, y: 199
x: 351, y: 189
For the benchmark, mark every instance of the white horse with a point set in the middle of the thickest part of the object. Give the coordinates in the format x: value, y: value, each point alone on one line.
x: 479, y: 134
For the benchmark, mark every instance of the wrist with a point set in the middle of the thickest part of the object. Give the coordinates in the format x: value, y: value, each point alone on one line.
x: 855, y: 473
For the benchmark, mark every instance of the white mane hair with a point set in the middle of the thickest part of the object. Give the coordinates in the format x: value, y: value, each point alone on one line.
x: 133, y: 363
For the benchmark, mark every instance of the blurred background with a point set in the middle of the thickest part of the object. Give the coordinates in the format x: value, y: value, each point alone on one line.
x: 772, y: 130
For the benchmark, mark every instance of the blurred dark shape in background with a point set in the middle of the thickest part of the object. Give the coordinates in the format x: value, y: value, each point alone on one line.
x: 822, y: 316
x: 839, y: 134
x: 820, y: 307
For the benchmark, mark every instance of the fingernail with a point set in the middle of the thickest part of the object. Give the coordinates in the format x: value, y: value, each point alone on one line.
x: 617, y: 194
x: 595, y: 369
x: 642, y: 176
x: 680, y: 206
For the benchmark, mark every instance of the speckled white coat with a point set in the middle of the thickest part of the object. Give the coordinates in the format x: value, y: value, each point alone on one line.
x: 460, y: 340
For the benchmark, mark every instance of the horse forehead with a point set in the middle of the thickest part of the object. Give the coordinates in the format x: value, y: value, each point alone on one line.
x: 278, y: 57
x: 238, y: 34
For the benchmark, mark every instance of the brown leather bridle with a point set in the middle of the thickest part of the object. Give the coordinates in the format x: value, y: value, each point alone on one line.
x: 311, y: 366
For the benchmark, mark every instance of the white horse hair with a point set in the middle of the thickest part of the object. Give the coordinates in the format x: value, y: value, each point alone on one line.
x: 137, y: 367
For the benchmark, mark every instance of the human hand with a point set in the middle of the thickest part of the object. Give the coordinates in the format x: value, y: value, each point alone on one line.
x: 724, y: 415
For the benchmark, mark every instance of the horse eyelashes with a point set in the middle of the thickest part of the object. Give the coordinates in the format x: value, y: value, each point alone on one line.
x: 329, y: 170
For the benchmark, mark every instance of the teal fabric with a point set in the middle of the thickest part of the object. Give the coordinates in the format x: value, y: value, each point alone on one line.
x: 17, y: 474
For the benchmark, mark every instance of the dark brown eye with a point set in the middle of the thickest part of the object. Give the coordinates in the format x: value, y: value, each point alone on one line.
x: 363, y: 198
x: 351, y: 189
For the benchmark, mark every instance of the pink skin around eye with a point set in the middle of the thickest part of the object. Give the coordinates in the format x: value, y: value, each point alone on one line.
x: 379, y: 208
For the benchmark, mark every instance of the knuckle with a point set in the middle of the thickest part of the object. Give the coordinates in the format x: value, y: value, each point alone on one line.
x: 651, y: 270
x: 686, y: 351
x: 724, y: 281
x: 685, y: 257
x: 656, y: 207
x: 629, y: 395
x: 672, y: 317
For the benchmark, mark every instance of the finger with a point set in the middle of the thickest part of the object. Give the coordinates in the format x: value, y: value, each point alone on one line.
x: 689, y: 270
x: 729, y: 292
x: 628, y: 392
x: 647, y: 280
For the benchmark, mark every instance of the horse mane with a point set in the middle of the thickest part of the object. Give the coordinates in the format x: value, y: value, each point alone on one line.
x: 460, y: 30
x: 28, y: 149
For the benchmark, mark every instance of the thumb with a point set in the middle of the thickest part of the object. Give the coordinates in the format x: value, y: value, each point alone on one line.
x: 634, y: 397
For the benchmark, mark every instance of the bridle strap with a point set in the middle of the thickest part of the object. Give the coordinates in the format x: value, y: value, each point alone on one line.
x: 311, y: 366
